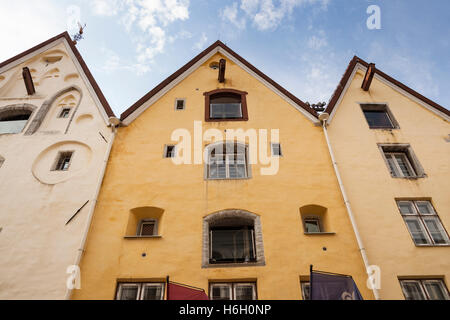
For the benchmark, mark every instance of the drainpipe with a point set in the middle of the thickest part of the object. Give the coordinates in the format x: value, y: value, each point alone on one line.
x: 113, y: 123
x: 323, y: 117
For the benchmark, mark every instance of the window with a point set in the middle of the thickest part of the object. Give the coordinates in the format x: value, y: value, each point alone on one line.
x: 232, y: 238
x: 276, y: 150
x: 64, y: 113
x: 169, y: 151
x: 306, y: 289
x: 2, y: 160
x: 232, y: 244
x: 423, y: 223
x: 63, y: 161
x: 401, y: 161
x: 227, y: 161
x: 180, y: 104
x: 378, y: 116
x: 226, y: 105
x: 312, y: 225
x: 232, y: 291
x: 426, y: 289
x: 14, y: 120
x: 147, y: 227
x: 140, y: 291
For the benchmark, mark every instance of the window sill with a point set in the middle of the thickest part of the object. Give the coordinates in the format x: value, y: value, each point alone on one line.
x: 410, y: 178
x: 225, y: 119
x: 226, y: 179
x: 142, y: 237
x: 234, y: 265
x: 432, y: 245
x: 319, y: 233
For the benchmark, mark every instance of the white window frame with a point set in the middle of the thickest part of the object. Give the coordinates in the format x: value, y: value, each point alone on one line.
x: 140, y: 286
x: 60, y: 154
x: 417, y: 215
x: 305, y: 285
x: 273, y: 145
x: 232, y: 288
x: 423, y: 289
x: 313, y: 218
x: 389, y: 151
x: 176, y: 104
x: 229, y: 161
x: 147, y: 221
x: 398, y: 173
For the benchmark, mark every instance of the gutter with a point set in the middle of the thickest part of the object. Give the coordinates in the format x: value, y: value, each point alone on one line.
x: 324, y: 117
x: 113, y: 123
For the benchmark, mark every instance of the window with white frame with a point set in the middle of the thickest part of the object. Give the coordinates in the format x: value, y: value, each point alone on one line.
x: 180, y: 104
x: 312, y: 224
x: 227, y: 161
x: 306, y: 290
x: 232, y: 291
x: 140, y: 291
x: 147, y: 227
x: 63, y: 161
x: 423, y: 222
x: 169, y: 151
x: 276, y: 150
x: 424, y: 289
x: 401, y: 161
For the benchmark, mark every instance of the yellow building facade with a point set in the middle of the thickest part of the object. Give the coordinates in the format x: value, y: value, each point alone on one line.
x: 392, y: 149
x: 155, y: 218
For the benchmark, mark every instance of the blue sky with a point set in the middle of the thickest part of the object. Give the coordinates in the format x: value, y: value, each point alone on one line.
x: 305, y: 45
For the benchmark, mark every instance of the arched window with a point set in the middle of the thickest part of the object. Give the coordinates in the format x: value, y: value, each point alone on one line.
x: 227, y: 160
x: 226, y: 105
x: 232, y: 237
x: 14, y: 118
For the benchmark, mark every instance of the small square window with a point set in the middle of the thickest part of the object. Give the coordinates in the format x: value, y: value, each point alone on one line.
x: 63, y: 161
x: 276, y: 150
x: 64, y: 113
x: 147, y: 227
x: 169, y: 151
x: 180, y: 104
x: 312, y: 225
x: 378, y: 116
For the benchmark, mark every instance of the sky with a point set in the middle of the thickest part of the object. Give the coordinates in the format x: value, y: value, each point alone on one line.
x: 130, y: 46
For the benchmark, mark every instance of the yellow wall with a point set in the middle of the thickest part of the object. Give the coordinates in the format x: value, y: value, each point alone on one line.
x: 138, y: 176
x: 372, y: 190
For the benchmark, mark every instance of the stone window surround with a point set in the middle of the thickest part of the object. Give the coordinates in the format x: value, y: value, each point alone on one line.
x: 233, y: 213
x: 407, y: 149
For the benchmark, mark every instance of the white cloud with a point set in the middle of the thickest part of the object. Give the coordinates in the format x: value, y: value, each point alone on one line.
x: 106, y: 7
x: 114, y: 63
x: 200, y: 44
x: 230, y: 13
x: 317, y: 42
x: 24, y: 24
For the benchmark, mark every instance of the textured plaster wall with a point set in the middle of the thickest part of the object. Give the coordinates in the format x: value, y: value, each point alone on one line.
x: 372, y: 190
x: 137, y: 175
x: 36, y: 246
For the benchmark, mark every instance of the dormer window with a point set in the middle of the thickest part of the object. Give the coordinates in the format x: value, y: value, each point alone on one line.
x: 226, y: 105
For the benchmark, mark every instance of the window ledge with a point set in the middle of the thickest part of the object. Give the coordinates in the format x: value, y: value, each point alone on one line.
x: 234, y: 265
x: 142, y: 237
x: 432, y: 245
x: 410, y: 178
x: 319, y: 233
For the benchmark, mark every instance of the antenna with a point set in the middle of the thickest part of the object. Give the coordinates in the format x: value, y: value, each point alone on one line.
x: 79, y: 36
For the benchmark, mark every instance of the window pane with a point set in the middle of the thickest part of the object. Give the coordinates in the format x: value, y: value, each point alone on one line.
x: 312, y: 226
x: 378, y: 119
x: 425, y: 207
x: 152, y: 292
x: 403, y: 163
x: 128, y: 292
x: 436, y: 289
x: 306, y: 290
x: 412, y: 290
x: 244, y: 292
x: 406, y: 207
x: 221, y: 292
x: 147, y: 228
x: 232, y: 245
x: 226, y: 110
x: 436, y: 230
x: 392, y: 166
x: 417, y: 231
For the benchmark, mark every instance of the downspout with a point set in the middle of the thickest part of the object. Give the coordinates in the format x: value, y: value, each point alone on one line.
x: 323, y: 118
x: 113, y: 122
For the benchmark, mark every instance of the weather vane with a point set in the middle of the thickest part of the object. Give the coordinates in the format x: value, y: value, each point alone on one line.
x: 79, y: 36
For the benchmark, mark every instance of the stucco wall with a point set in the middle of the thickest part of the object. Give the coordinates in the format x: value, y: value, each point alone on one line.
x: 36, y: 246
x: 372, y: 190
x: 137, y: 175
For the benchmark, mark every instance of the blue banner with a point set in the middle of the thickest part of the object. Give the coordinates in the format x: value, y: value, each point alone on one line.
x: 328, y: 286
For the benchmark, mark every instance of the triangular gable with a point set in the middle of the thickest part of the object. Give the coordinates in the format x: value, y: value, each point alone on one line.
x: 217, y: 47
x: 357, y: 63
x: 73, y: 52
